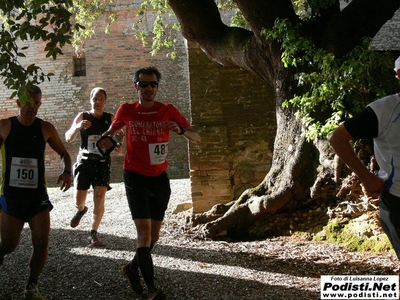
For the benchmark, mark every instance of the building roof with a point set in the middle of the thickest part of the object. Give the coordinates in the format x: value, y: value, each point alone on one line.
x: 388, y: 38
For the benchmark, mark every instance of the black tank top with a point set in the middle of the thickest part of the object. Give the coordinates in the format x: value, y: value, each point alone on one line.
x: 23, y: 157
x: 99, y: 125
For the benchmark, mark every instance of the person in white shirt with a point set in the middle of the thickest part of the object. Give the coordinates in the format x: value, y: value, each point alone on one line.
x: 379, y: 121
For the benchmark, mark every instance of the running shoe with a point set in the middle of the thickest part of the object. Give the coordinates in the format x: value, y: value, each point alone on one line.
x: 78, y: 216
x: 32, y: 293
x: 133, y: 279
x: 94, y: 239
x: 155, y: 294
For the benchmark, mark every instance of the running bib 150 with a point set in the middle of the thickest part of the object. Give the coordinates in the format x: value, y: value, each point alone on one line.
x: 24, y: 172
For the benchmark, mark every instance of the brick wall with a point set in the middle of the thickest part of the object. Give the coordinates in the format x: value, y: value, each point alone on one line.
x: 111, y: 60
x: 228, y: 106
x: 235, y: 115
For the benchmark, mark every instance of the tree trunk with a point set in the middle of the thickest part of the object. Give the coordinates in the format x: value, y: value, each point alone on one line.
x: 299, y: 168
x: 288, y: 184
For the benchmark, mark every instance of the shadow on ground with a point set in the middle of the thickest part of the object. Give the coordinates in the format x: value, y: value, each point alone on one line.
x: 75, y: 271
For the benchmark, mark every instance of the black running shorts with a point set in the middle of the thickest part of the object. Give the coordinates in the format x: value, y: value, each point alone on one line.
x: 25, y: 207
x: 92, y: 173
x: 147, y: 196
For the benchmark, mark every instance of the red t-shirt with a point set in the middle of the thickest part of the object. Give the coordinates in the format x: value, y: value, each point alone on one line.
x: 146, y: 137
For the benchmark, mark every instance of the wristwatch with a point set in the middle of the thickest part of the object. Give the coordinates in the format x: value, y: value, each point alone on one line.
x: 183, y: 130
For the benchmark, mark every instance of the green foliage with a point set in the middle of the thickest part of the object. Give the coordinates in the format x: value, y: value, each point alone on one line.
x: 85, y: 13
x: 237, y: 19
x: 336, y: 87
x: 332, y: 87
x: 56, y: 22
x: 25, y: 21
x: 164, y: 34
x: 309, y: 9
x: 61, y: 22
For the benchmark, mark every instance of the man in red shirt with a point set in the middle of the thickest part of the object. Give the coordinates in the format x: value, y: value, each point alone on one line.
x: 148, y: 124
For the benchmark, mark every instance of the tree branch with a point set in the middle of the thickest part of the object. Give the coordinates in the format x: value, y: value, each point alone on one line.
x: 261, y: 14
x: 360, y: 19
x: 201, y: 23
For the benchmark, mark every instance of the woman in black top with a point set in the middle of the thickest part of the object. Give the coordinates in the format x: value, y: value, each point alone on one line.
x: 91, y: 167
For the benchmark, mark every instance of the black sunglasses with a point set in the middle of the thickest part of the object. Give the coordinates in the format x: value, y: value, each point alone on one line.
x: 145, y: 84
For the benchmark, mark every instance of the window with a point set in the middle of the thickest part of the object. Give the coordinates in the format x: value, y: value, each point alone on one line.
x: 80, y: 66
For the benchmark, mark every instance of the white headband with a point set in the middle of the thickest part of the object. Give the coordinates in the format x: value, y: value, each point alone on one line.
x: 397, y: 66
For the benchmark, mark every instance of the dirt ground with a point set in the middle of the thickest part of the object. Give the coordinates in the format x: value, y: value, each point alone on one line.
x: 186, y: 268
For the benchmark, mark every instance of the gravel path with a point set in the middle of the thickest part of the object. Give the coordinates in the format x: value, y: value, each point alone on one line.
x: 186, y: 268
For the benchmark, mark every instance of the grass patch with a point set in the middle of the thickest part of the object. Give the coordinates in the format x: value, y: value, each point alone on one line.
x: 353, y: 238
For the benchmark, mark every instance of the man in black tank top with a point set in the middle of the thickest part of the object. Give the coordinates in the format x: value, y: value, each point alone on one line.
x: 91, y: 167
x: 23, y: 196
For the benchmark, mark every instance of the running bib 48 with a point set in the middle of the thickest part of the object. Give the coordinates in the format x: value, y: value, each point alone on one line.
x: 158, y: 153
